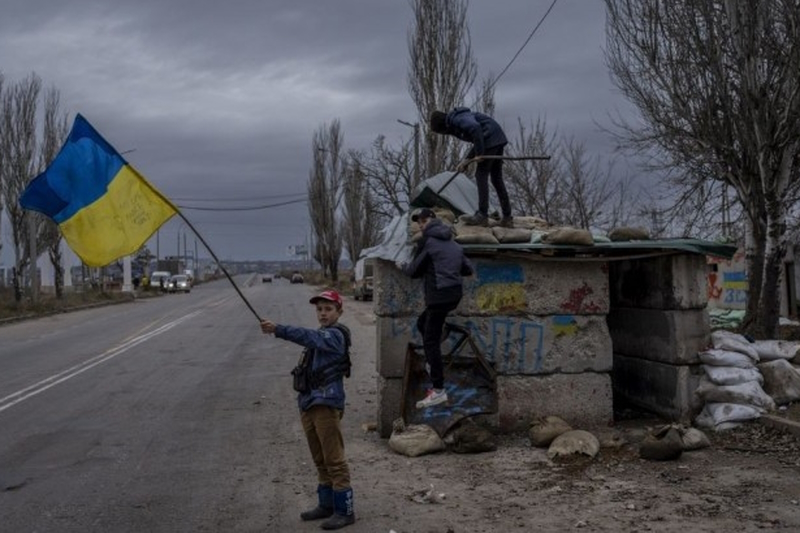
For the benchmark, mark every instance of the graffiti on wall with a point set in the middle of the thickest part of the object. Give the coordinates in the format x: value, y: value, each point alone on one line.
x: 513, y: 345
x: 500, y: 288
x: 727, y: 283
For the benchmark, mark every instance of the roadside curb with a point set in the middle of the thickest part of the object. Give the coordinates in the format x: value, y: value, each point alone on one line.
x: 782, y: 424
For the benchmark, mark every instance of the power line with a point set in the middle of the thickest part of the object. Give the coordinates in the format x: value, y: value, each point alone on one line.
x: 241, y: 199
x: 521, y: 48
x: 249, y: 208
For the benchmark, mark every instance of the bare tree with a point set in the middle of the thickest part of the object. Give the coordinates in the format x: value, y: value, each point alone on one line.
x: 54, y: 132
x: 536, y: 184
x: 442, y: 71
x: 359, y: 224
x: 389, y: 174
x: 588, y: 187
x: 18, y: 145
x: 716, y: 85
x: 2, y: 181
x: 324, y: 195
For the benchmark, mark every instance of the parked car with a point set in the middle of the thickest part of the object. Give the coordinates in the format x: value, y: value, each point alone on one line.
x: 362, y: 279
x: 297, y: 277
x: 266, y: 278
x: 179, y: 283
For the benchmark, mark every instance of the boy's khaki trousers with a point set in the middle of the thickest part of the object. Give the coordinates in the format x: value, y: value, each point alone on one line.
x: 322, y: 426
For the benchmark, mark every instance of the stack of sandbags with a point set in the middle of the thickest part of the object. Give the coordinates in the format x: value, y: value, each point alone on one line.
x: 781, y: 377
x: 732, y: 386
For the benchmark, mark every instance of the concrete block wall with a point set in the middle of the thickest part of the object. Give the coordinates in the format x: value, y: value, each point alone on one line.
x: 541, y: 324
x: 658, y: 322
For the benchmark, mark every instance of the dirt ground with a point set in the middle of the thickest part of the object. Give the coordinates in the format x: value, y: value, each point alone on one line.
x: 746, y: 481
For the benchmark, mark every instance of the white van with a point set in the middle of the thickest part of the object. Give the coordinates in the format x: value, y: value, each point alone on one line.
x: 362, y: 279
x: 160, y: 280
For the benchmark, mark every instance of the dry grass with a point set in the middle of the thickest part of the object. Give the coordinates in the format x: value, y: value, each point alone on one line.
x: 48, y: 303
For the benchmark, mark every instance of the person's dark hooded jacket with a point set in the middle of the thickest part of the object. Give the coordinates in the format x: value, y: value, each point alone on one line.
x: 481, y: 130
x: 441, y: 262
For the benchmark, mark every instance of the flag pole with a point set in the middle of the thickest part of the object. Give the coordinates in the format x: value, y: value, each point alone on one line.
x: 221, y: 266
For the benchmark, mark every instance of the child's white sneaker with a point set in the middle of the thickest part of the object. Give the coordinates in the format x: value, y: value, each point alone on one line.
x: 432, y: 397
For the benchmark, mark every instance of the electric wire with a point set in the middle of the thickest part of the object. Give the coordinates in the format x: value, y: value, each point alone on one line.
x: 521, y: 48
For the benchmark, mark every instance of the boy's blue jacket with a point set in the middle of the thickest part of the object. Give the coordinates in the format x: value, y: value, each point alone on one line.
x: 329, y: 346
x: 481, y: 130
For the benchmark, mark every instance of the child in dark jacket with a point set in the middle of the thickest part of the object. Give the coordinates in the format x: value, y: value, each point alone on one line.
x: 441, y: 262
x: 488, y: 139
x: 320, y: 387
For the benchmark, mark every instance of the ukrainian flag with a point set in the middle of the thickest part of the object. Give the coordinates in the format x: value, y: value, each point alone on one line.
x: 103, y: 206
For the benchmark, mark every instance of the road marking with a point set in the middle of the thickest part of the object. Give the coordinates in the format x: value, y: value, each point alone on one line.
x: 28, y: 392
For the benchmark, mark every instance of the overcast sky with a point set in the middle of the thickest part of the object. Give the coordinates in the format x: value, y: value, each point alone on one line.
x: 218, y: 101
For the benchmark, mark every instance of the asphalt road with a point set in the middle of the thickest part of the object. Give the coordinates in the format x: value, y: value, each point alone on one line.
x: 166, y: 414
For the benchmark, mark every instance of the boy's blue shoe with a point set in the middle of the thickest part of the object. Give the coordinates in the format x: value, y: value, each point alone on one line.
x: 343, y: 510
x: 324, y: 508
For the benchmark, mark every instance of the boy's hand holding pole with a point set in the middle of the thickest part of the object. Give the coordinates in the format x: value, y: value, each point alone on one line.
x: 267, y: 326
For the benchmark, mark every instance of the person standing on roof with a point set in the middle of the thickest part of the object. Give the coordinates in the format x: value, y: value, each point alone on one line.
x: 488, y: 139
x: 441, y: 262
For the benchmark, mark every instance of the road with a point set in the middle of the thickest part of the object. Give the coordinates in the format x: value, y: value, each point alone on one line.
x: 167, y: 414
x: 176, y: 414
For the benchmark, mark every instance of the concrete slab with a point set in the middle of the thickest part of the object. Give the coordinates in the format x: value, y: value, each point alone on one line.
x: 661, y: 388
x: 583, y: 400
x: 513, y: 345
x: 504, y: 288
x: 676, y: 281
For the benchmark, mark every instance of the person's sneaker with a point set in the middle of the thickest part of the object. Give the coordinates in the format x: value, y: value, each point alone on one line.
x: 432, y: 397
x: 507, y: 222
x: 478, y: 219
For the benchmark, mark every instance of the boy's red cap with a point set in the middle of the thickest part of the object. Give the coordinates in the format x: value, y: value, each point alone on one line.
x: 330, y: 295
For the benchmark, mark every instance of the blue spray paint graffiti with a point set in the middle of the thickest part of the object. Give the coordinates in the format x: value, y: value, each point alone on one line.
x: 508, y: 337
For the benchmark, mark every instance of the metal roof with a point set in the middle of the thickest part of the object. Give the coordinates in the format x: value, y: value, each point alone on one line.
x: 611, y: 250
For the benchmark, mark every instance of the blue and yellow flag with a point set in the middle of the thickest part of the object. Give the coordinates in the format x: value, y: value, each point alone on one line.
x: 104, y: 207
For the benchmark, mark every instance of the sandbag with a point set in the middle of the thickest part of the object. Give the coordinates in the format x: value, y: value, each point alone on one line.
x: 536, y: 236
x: 474, y: 235
x: 511, y: 235
x: 770, y: 350
x: 731, y: 375
x: 529, y: 222
x: 544, y: 430
x: 691, y: 438
x: 749, y: 393
x: 781, y: 381
x: 415, y: 440
x: 628, y: 234
x: 574, y: 236
x: 694, y: 439
x: 726, y: 358
x: 722, y: 416
x: 665, y: 445
x: 469, y: 437
x: 574, y: 442
x: 727, y: 340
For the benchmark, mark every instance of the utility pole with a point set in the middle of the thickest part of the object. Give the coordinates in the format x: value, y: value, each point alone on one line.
x: 415, y: 125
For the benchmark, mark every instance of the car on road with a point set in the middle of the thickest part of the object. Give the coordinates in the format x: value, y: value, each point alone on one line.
x: 362, y: 279
x: 179, y: 283
x: 160, y: 280
x: 297, y: 277
x: 266, y: 278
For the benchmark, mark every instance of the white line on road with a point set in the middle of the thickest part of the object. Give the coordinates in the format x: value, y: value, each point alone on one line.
x: 55, y: 379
